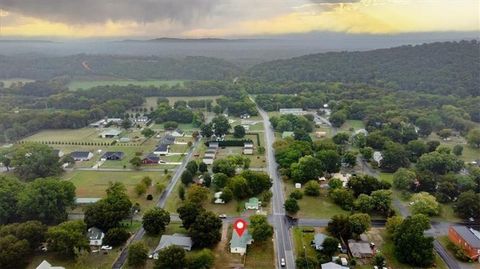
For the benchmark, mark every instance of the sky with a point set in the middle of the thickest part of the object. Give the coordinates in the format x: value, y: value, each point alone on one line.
x: 232, y: 18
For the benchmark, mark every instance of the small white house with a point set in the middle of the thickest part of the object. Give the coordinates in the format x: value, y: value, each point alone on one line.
x: 298, y: 185
x: 208, y: 160
x: 218, y: 199
x: 95, y: 236
x: 238, y: 244
x: 47, y: 265
x: 177, y: 133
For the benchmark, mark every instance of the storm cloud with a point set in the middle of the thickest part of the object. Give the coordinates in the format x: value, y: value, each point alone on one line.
x: 101, y: 11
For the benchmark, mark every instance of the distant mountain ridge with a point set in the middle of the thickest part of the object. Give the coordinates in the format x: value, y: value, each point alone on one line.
x: 440, y: 67
x: 174, y: 40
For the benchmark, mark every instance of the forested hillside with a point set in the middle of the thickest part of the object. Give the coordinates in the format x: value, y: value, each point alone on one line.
x: 128, y: 67
x: 440, y: 68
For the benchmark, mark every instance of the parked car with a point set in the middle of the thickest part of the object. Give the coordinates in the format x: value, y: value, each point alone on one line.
x: 222, y: 216
x: 282, y: 262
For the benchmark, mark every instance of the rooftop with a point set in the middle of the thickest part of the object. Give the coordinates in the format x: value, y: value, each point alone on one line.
x: 176, y: 240
x: 94, y: 233
x: 240, y: 242
x: 471, y: 236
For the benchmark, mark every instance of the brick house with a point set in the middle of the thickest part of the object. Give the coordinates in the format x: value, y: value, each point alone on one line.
x: 466, y: 238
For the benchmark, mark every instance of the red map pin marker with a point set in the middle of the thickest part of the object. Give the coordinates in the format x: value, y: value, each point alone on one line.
x: 240, y: 225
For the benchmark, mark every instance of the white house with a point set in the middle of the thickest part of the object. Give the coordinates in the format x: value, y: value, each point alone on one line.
x: 177, y: 133
x: 377, y: 157
x: 248, y: 148
x: 179, y: 240
x: 81, y: 155
x: 95, y: 236
x: 207, y: 160
x: 238, y: 244
x: 110, y: 133
x: 47, y: 265
x: 218, y: 199
x: 344, y: 178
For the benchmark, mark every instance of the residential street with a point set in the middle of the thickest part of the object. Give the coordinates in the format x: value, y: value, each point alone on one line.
x: 161, y: 203
x: 283, y: 241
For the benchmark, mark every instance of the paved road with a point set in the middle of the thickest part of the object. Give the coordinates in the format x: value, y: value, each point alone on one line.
x: 283, y: 241
x: 121, y: 259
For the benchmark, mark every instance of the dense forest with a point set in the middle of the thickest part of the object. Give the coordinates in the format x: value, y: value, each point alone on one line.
x: 132, y: 67
x: 441, y: 68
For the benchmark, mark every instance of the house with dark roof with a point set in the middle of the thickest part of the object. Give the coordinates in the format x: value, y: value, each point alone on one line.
x: 167, y: 139
x: 466, y: 238
x: 178, y: 240
x: 95, y: 236
x: 151, y: 159
x: 161, y: 150
x: 112, y: 156
x: 81, y: 155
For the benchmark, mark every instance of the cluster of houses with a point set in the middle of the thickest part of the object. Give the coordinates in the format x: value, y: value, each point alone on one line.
x: 81, y: 156
x: 104, y: 122
x: 163, y: 147
x: 210, y: 153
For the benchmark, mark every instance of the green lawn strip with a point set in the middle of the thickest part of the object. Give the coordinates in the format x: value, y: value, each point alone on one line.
x: 260, y: 255
x: 469, y: 153
x: 302, y: 242
x: 388, y: 177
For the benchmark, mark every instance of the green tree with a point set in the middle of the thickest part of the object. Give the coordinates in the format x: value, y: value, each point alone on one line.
x: 307, y: 168
x: 223, y: 166
x: 126, y: 124
x: 457, y: 150
x: 305, y: 263
x: 46, y: 200
x: 366, y: 184
x: 33, y: 160
x: 393, y: 223
x: 227, y: 195
x: 220, y: 180
x: 186, y: 177
x: 155, y: 220
x: 330, y: 246
x: 140, y: 189
x: 291, y: 206
x: 206, y: 130
x: 341, y: 138
x: 468, y: 205
x: 147, y: 132
x: 367, y: 153
x: 330, y: 160
x: 349, y: 158
x: 220, y: 125
x: 32, y: 231
x: 382, y: 201
x: 364, y: 203
x: 339, y: 226
x: 203, y: 259
x: 111, y: 210
x: 312, y: 188
x: 410, y: 244
x: 473, y: 137
x: 359, y: 223
x: 136, y: 162
x: 116, y: 237
x: 188, y: 213
x: 238, y: 131
x: 296, y: 194
x: 172, y: 257
x: 394, y: 157
x: 239, y: 187
x: 13, y: 252
x: 205, y: 231
x: 259, y: 228
x: 181, y: 192
x: 424, y: 203
x: 192, y: 167
x: 257, y: 181
x: 68, y: 238
x: 197, y: 194
x: 202, y: 167
x: 335, y: 183
x: 343, y: 197
x: 439, y: 163
x: 137, y: 254
x: 338, y: 118
x: 9, y: 189
x: 403, y: 179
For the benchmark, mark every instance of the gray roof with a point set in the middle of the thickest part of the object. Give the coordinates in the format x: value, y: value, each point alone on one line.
x: 113, y: 155
x: 80, y: 200
x: 162, y: 147
x: 112, y: 132
x: 332, y: 265
x: 94, y: 233
x: 152, y: 157
x: 471, y: 236
x: 174, y: 240
x: 359, y: 248
x: 319, y: 238
x: 80, y: 154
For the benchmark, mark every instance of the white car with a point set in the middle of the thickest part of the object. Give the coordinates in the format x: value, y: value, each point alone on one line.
x: 222, y: 216
x: 282, y: 262
x: 106, y: 247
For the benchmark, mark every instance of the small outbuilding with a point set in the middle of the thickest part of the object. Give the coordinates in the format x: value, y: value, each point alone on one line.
x: 252, y: 204
x: 95, y: 236
x: 81, y: 155
x: 110, y: 133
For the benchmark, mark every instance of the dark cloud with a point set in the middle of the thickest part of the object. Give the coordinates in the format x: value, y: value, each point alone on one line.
x: 99, y: 11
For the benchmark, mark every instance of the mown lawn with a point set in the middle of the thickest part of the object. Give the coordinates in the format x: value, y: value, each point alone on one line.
x: 302, y: 240
x: 355, y: 124
x: 84, y: 261
x: 316, y: 207
x: 260, y: 255
x: 87, y: 84
x: 94, y: 183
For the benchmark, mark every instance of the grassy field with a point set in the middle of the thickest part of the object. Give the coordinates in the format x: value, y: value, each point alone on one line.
x: 315, y: 207
x: 94, y: 183
x: 173, y: 99
x: 355, y: 124
x: 8, y: 82
x: 301, y: 239
x: 86, y: 84
x: 260, y: 255
x: 469, y: 153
